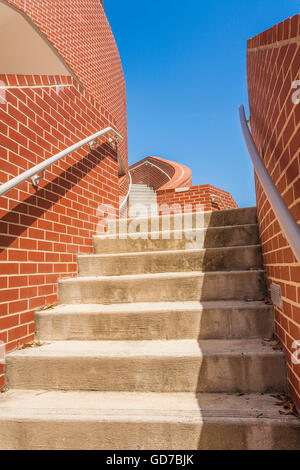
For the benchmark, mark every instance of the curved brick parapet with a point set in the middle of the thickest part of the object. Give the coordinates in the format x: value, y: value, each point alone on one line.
x: 160, y: 173
x: 173, y: 184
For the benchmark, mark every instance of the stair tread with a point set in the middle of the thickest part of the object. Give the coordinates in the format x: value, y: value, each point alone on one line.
x: 35, y: 404
x: 168, y: 275
x: 171, y: 252
x: 140, y: 307
x: 149, y: 348
x: 190, y: 230
x: 236, y: 211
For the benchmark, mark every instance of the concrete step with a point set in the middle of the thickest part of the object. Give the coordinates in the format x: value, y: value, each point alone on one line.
x: 141, y: 187
x: 142, y: 200
x: 210, y: 259
x: 142, y: 190
x: 142, y: 194
x: 167, y: 287
x: 144, y: 210
x: 239, y: 235
x: 134, y: 194
x: 42, y: 420
x: 156, y: 321
x: 196, y: 220
x: 149, y: 366
x: 138, y: 204
x: 145, y: 192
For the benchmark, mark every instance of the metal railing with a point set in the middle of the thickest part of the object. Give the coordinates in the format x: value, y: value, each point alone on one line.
x: 288, y: 224
x: 37, y: 172
x: 215, y: 198
x: 151, y: 164
x: 127, y: 195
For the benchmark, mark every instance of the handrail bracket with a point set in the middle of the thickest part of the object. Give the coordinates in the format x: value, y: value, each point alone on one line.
x: 37, y: 172
x: 35, y: 179
x: 93, y: 144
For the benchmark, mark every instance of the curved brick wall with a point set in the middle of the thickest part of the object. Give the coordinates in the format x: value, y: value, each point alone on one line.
x: 42, y: 230
x: 81, y: 34
x: 273, y: 67
x: 173, y: 174
x: 173, y: 184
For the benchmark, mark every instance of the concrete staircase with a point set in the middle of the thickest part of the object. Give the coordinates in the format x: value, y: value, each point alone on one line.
x: 159, y: 343
x: 142, y: 201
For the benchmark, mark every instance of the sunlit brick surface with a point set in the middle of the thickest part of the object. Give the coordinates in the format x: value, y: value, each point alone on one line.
x: 209, y: 197
x: 41, y: 231
x: 80, y: 32
x: 273, y: 66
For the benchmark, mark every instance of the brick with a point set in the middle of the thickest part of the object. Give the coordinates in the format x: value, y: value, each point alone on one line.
x: 17, y: 307
x: 8, y: 322
x: 272, y: 108
x: 36, y: 124
x: 16, y: 333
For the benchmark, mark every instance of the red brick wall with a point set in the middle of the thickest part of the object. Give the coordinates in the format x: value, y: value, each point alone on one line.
x: 80, y: 32
x: 164, y: 175
x: 42, y: 230
x: 273, y: 66
x: 196, y: 195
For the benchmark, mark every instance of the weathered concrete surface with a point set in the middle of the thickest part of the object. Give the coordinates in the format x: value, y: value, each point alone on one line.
x: 121, y: 421
x: 210, y: 259
x: 158, y: 320
x: 145, y: 196
x: 196, y: 220
x: 153, y: 366
x: 166, y: 287
x: 128, y: 352
x: 211, y: 237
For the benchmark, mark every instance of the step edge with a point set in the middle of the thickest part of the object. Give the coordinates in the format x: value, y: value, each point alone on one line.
x: 167, y: 275
x: 170, y: 252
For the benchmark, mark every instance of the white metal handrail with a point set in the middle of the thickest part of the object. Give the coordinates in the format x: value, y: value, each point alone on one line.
x: 151, y: 164
x: 214, y: 198
x: 33, y: 173
x: 288, y: 224
x: 127, y: 195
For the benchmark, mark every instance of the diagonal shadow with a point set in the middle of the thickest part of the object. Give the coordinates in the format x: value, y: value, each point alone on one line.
x: 47, y: 196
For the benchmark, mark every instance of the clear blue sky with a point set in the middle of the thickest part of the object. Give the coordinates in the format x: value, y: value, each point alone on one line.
x: 185, y: 71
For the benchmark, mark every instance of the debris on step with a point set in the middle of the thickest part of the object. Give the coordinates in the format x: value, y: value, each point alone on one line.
x: 33, y: 344
x: 48, y: 307
x: 288, y: 405
x: 278, y: 396
x: 268, y: 340
x: 249, y: 299
x: 277, y: 346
